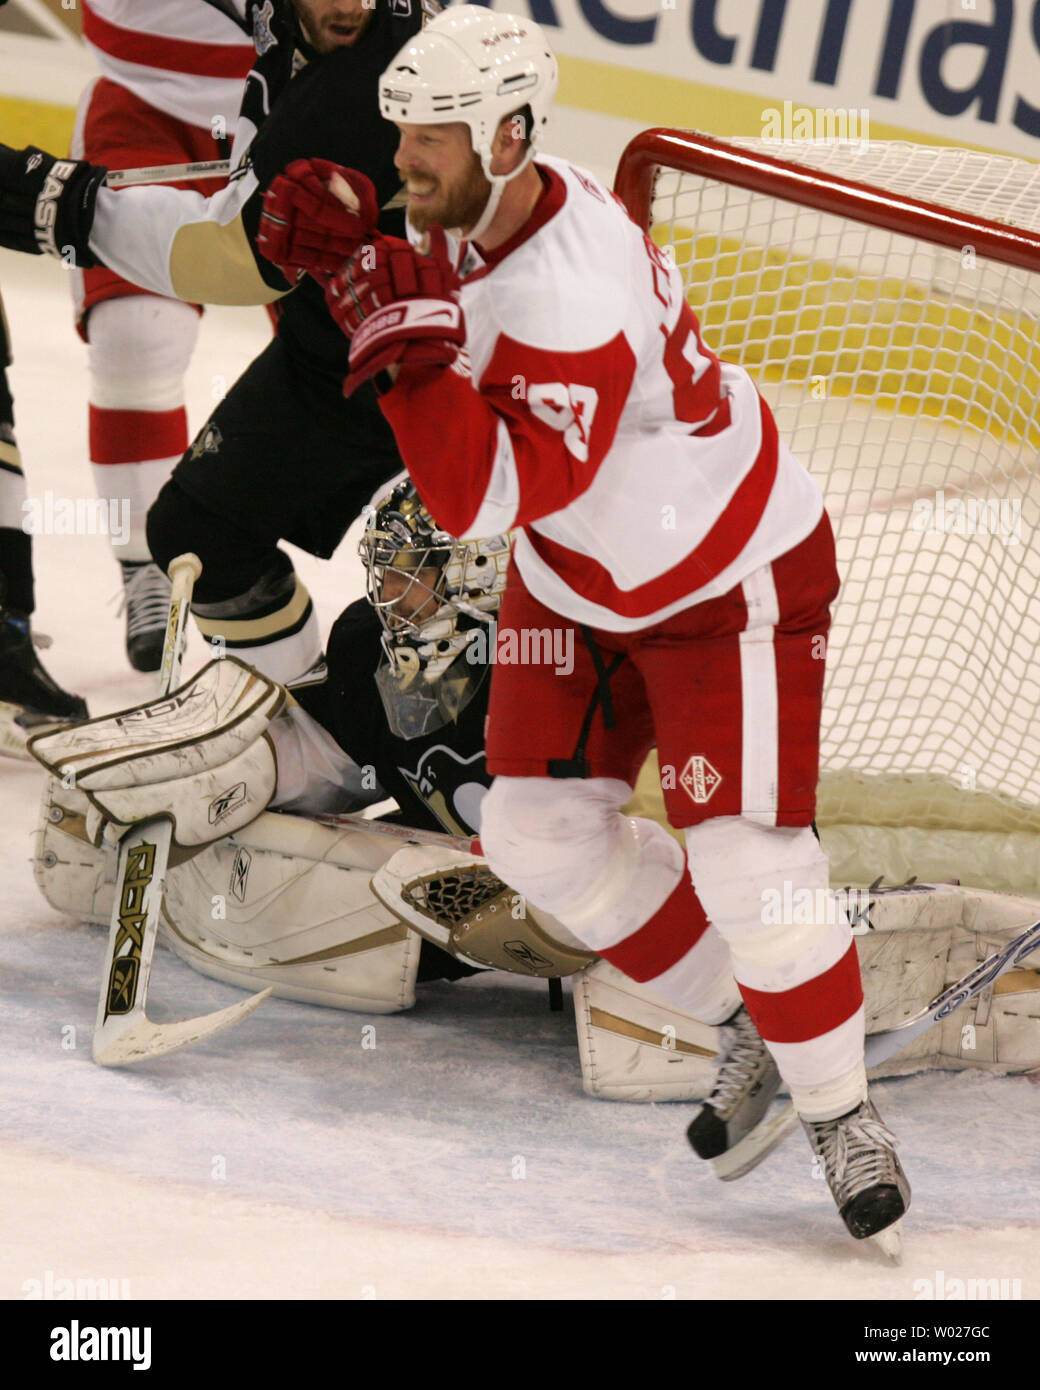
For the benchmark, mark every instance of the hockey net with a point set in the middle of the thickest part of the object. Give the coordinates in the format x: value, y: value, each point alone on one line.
x: 886, y: 300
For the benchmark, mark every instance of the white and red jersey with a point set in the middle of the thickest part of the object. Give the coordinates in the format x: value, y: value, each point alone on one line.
x: 181, y: 56
x: 646, y: 474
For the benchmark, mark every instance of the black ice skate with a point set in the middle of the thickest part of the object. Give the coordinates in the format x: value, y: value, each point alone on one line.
x: 146, y: 599
x: 29, y: 697
x: 746, y: 1083
x: 858, y: 1158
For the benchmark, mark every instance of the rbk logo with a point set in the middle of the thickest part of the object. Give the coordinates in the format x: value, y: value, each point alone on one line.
x: 172, y: 706
x: 522, y: 953
x: 239, y: 875
x: 222, y: 806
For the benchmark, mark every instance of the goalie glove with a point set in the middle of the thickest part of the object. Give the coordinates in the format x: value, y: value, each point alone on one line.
x: 47, y: 204
x: 315, y: 216
x: 399, y: 307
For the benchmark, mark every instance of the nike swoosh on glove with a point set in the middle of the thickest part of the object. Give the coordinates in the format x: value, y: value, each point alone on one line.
x: 398, y: 307
x: 47, y: 204
x: 315, y: 216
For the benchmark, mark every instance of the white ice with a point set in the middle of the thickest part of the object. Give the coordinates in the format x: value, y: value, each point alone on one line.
x: 458, y: 1157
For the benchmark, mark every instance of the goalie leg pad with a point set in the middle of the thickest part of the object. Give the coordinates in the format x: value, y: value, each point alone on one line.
x: 455, y: 901
x: 634, y: 1045
x: 285, y: 903
x: 309, y: 926
x: 915, y: 940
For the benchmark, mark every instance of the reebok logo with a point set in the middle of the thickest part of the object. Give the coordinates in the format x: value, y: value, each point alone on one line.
x: 162, y: 710
x: 239, y: 875
x: 523, y: 954
x: 222, y: 806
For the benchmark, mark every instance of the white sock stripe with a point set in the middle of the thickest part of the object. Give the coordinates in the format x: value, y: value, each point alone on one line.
x: 701, y: 982
x: 812, y: 1063
x: 136, y: 393
x: 760, y: 700
x: 286, y: 657
x: 143, y: 339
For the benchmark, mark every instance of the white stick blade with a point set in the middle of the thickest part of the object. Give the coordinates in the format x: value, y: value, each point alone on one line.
x: 143, y: 1040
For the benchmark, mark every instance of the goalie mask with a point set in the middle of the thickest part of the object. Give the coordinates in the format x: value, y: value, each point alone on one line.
x: 437, y: 599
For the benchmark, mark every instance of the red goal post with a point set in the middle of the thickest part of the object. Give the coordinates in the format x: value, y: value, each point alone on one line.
x: 886, y: 299
x: 690, y: 152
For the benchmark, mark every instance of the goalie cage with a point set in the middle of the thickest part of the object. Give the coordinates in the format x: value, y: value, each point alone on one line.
x: 886, y: 300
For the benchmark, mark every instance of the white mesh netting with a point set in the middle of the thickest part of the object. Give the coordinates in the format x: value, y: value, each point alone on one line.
x: 905, y: 376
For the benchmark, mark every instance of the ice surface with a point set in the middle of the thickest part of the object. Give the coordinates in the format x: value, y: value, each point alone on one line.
x: 456, y: 1158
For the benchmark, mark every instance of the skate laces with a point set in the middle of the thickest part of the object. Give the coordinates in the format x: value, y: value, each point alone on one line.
x: 744, y: 1057
x: 857, y: 1153
x: 145, y: 599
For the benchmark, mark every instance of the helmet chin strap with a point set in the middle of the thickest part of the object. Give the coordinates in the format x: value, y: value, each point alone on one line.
x: 498, y: 187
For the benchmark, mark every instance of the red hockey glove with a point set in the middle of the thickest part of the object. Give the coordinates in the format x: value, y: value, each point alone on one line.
x: 315, y: 216
x: 398, y: 307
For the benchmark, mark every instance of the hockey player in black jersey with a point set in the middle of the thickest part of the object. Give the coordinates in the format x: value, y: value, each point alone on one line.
x: 29, y: 695
x: 405, y: 699
x: 283, y: 455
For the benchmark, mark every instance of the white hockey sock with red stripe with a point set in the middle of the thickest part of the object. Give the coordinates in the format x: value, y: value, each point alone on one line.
x: 766, y: 891
x: 140, y: 347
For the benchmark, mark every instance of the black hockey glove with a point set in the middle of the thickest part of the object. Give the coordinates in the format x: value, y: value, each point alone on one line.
x: 47, y: 204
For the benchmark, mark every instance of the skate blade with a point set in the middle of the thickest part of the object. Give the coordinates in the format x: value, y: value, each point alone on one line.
x: 890, y: 1242
x: 756, y: 1145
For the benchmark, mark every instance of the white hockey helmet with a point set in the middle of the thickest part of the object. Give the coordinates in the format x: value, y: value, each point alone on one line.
x: 478, y: 67
x: 438, y: 613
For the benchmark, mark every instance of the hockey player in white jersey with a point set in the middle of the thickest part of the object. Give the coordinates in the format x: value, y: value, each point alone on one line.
x: 168, y: 92
x: 551, y: 377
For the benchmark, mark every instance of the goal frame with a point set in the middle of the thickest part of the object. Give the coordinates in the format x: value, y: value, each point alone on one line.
x: 980, y: 838
x: 692, y: 152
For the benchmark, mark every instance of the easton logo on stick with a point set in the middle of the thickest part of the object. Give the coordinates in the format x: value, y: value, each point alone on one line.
x: 126, y: 965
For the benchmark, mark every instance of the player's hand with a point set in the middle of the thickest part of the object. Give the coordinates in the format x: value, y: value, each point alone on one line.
x: 315, y: 216
x: 398, y: 307
x: 47, y: 204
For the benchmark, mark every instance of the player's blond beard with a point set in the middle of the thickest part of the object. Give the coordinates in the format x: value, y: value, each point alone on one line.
x: 460, y: 207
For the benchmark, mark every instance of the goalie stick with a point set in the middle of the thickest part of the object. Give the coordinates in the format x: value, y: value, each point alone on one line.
x: 123, y: 1033
x: 766, y: 1135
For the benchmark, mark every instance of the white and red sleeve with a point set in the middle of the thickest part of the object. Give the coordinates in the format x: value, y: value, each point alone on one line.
x: 523, y: 444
